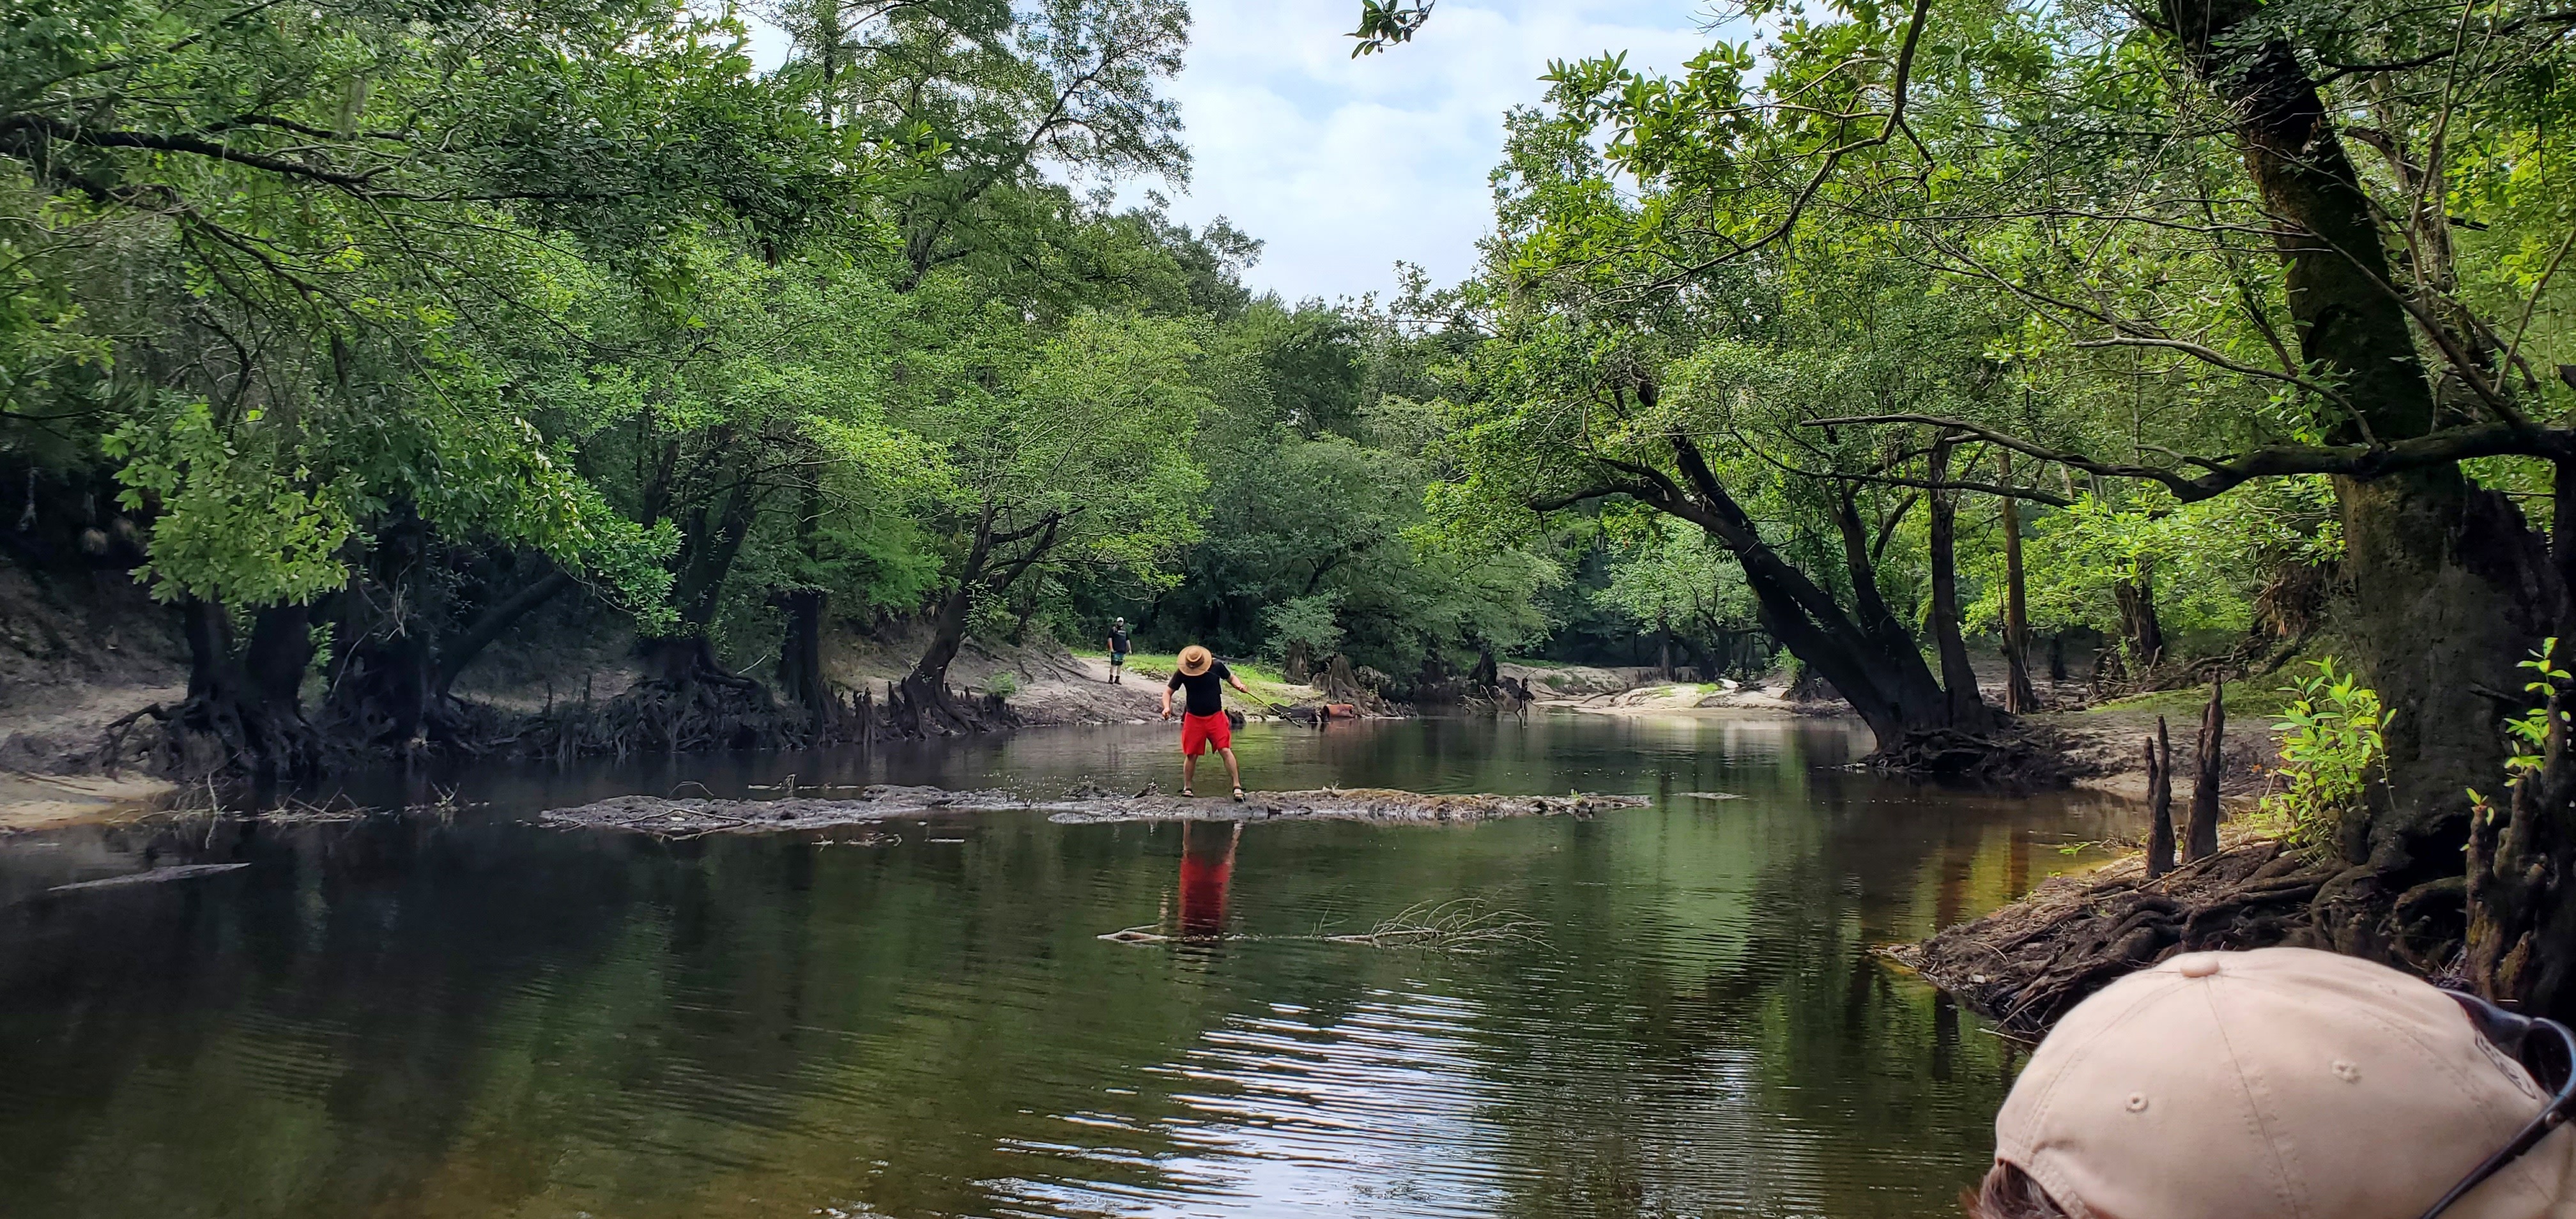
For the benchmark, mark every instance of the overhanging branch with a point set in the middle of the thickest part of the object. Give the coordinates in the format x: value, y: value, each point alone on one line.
x: 2364, y: 462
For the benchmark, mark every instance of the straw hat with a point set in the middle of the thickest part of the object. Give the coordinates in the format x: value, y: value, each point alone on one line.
x: 2284, y: 1081
x: 1195, y: 660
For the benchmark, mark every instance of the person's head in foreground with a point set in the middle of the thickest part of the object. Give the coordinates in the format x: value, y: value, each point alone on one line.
x: 2288, y: 1082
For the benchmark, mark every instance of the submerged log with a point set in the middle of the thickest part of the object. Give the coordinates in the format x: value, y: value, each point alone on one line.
x: 691, y: 818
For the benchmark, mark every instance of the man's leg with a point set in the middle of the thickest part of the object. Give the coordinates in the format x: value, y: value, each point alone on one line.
x: 1189, y: 769
x: 1233, y: 769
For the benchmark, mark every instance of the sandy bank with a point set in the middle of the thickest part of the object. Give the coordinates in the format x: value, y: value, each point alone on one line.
x: 41, y: 802
x: 1686, y: 698
x: 2106, y: 750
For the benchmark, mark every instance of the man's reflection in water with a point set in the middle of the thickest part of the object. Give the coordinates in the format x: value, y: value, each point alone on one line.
x: 1207, y: 864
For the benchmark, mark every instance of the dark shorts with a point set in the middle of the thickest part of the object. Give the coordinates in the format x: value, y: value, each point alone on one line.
x: 1116, y: 659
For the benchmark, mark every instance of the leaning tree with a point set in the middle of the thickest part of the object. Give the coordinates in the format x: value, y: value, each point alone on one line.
x: 2332, y: 221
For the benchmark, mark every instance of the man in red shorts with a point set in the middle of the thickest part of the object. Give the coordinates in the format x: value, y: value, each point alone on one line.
x: 1203, y: 721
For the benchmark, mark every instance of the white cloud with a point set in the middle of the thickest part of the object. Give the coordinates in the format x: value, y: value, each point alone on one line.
x: 1343, y: 166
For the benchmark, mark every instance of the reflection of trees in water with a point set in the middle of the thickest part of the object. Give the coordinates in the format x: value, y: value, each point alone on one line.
x: 1787, y: 1069
x: 187, y: 1041
x: 489, y: 1017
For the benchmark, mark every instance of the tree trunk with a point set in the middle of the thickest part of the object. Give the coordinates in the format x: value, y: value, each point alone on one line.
x: 459, y: 651
x: 2142, y: 633
x: 2443, y: 575
x: 382, y: 685
x: 926, y: 703
x: 244, y: 714
x: 707, y: 555
x: 800, y: 653
x: 1958, y: 680
x: 2200, y: 837
x: 1870, y: 660
x: 2522, y: 858
x: 925, y: 689
x: 800, y: 646
x: 2160, y: 824
x: 2019, y: 696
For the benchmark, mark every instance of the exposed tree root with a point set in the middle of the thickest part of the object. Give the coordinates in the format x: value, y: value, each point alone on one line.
x: 214, y: 736
x: 2016, y: 754
x: 2028, y: 963
x: 701, y: 712
x: 232, y: 740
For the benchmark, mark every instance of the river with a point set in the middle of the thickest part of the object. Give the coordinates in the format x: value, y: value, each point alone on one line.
x: 470, y: 1015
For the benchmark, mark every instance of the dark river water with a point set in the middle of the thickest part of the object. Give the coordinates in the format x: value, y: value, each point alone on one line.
x: 471, y: 1015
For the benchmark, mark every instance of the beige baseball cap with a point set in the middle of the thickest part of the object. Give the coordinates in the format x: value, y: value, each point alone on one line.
x: 2283, y: 1081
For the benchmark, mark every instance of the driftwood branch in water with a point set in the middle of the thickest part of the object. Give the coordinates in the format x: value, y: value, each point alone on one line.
x: 690, y: 818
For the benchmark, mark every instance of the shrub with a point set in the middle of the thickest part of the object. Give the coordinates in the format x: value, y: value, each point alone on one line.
x: 2529, y: 732
x: 1311, y: 621
x: 1003, y: 684
x: 2330, y: 755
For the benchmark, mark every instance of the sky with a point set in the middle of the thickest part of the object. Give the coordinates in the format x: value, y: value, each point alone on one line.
x: 1343, y: 166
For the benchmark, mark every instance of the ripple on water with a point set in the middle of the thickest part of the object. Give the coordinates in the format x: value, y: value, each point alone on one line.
x: 481, y: 1018
x: 1374, y: 1113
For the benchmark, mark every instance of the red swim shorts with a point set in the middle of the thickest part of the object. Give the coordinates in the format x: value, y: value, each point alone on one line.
x: 1198, y: 732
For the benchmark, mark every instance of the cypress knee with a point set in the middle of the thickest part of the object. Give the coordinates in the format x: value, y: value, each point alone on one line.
x: 2201, y: 838
x: 2160, y: 828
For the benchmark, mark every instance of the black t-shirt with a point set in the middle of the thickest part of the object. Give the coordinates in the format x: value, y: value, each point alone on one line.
x: 1118, y: 639
x: 1207, y: 690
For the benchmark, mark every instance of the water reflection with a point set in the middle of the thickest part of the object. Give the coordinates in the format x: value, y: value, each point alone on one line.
x: 1207, y: 867
x: 474, y: 1017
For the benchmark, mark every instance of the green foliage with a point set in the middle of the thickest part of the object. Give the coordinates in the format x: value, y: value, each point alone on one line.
x: 2205, y: 560
x: 1384, y: 23
x: 234, y: 529
x: 2332, y: 745
x: 1311, y: 622
x: 1315, y: 506
x: 2531, y: 730
x: 1667, y: 576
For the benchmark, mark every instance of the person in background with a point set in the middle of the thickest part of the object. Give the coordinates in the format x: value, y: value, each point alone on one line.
x: 1203, y: 720
x: 2286, y: 1082
x: 1117, y: 650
